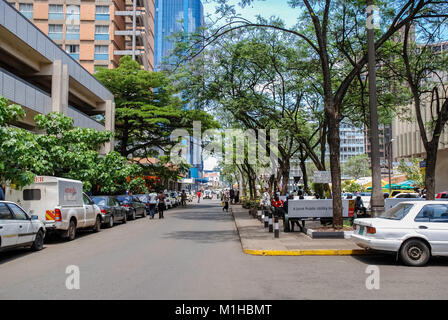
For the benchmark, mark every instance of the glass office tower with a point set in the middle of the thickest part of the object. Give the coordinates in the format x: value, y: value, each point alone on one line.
x: 174, y: 16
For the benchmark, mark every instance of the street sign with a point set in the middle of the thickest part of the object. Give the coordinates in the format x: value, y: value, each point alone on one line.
x: 321, y: 208
x: 322, y: 177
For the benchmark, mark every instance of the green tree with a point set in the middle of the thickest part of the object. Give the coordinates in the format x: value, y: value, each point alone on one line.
x: 19, y: 150
x: 357, y: 167
x: 148, y: 108
x: 334, y: 33
x: 61, y: 150
x: 413, y: 171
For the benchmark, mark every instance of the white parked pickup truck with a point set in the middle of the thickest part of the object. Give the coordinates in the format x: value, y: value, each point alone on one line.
x: 59, y: 203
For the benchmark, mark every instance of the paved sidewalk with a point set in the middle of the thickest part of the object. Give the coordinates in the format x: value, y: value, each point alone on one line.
x: 256, y: 240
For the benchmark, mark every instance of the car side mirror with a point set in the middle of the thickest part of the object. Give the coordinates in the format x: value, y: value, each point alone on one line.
x: 34, y: 217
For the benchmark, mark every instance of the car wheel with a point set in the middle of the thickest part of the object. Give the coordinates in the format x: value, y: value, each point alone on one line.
x: 38, y: 243
x: 133, y: 215
x: 111, y: 221
x: 415, y: 253
x: 97, y: 225
x: 144, y: 213
x: 125, y: 218
x: 71, y: 230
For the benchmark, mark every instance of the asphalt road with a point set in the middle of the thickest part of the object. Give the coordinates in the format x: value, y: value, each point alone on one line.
x: 195, y: 253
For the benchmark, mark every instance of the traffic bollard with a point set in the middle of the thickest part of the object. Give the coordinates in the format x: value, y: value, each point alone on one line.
x: 276, y: 228
x: 271, y: 226
x: 266, y: 220
x: 259, y: 215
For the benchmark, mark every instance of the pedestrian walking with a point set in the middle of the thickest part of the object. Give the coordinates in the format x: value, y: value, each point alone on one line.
x: 153, y: 202
x: 161, y: 204
x: 183, y: 198
x: 199, y: 196
x: 225, y: 200
x: 237, y: 196
x: 232, y: 195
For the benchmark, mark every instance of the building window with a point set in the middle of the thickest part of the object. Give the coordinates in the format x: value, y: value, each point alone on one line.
x: 72, y: 50
x: 56, y: 12
x: 72, y: 32
x: 102, y: 13
x: 72, y: 13
x: 55, y: 31
x: 101, y: 52
x: 101, y: 32
x: 26, y: 9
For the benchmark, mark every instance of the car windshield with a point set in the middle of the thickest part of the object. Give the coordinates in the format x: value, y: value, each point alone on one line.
x: 99, y: 201
x: 142, y: 197
x: 365, y: 194
x: 124, y: 198
x: 398, y: 212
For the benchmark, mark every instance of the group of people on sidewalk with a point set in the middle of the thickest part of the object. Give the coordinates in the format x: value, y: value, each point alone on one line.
x: 229, y: 196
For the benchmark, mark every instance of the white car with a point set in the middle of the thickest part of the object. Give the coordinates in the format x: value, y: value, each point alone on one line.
x: 18, y: 229
x: 415, y: 230
x: 406, y: 195
x: 59, y: 204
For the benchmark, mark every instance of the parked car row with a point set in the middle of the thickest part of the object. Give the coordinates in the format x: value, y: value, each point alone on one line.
x: 59, y: 206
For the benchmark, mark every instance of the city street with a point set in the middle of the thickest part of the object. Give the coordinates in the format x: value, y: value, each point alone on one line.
x: 195, y: 253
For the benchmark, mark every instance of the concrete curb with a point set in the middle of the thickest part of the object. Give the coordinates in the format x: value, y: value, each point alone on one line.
x: 312, y: 252
x: 318, y: 252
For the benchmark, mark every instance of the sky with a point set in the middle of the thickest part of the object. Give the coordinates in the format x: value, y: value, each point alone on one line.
x: 266, y: 8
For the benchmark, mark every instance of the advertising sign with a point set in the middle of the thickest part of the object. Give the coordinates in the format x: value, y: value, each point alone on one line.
x: 318, y: 208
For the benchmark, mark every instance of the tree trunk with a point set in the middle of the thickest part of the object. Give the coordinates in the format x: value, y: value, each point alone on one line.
x: 285, y: 177
x: 334, y: 142
x: 430, y: 174
x: 304, y: 175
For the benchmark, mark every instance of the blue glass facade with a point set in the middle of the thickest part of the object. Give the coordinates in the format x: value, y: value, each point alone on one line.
x: 173, y: 16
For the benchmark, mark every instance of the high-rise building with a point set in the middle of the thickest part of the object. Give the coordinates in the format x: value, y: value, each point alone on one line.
x: 352, y: 141
x: 407, y: 142
x: 96, y: 33
x: 174, y: 16
x: 38, y: 75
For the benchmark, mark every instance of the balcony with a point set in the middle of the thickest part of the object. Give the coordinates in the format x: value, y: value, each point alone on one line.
x: 74, y: 55
x: 101, y: 56
x: 72, y: 17
x: 72, y: 36
x: 55, y: 35
x: 128, y: 13
x: 127, y: 33
x: 55, y: 16
x: 127, y: 52
x: 28, y: 14
x: 101, y: 36
x: 102, y: 16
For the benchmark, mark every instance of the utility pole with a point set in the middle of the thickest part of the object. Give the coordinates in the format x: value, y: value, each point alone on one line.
x: 377, y: 200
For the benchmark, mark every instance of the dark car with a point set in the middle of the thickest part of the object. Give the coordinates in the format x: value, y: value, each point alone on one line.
x: 133, y: 206
x: 111, y: 210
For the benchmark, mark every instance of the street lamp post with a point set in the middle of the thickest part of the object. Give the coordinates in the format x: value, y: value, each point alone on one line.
x: 377, y: 202
x: 389, y: 162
